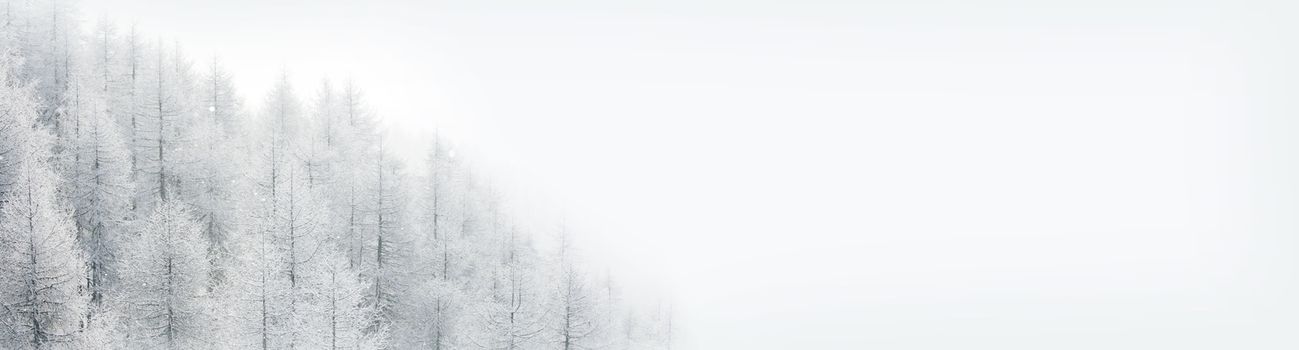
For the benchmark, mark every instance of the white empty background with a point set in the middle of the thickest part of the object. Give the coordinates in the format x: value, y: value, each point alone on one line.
x: 857, y: 174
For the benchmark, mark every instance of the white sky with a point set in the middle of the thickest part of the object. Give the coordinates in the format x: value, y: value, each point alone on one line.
x: 836, y: 175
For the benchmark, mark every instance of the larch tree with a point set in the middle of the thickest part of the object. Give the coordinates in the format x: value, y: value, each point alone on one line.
x: 299, y: 236
x: 345, y: 315
x: 101, y: 197
x: 389, y: 264
x: 41, y: 269
x: 16, y: 136
x: 164, y: 288
x: 132, y: 116
x: 515, y: 316
x: 215, y: 176
x: 167, y: 117
x: 255, y: 312
x: 441, y: 297
x: 277, y: 217
x: 354, y: 144
x: 318, y: 152
x: 575, y: 321
x: 158, y: 113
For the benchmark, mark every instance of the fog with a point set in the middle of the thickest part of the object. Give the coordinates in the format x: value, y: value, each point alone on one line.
x: 836, y: 175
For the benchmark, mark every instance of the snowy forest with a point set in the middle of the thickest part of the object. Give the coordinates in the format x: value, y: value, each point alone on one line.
x: 142, y: 206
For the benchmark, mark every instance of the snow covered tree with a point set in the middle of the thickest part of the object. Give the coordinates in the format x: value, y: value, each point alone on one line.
x: 318, y: 151
x: 101, y: 196
x: 390, y: 262
x: 255, y: 290
x: 349, y: 196
x: 575, y: 322
x: 17, y: 140
x: 613, y: 316
x: 439, y: 198
x: 515, y: 317
x: 307, y: 293
x: 345, y: 315
x: 438, y: 302
x: 103, y: 330
x: 215, y: 178
x: 164, y: 289
x: 288, y: 226
x: 41, y: 269
x: 298, y: 234
x: 165, y: 115
x: 132, y: 116
x: 224, y: 108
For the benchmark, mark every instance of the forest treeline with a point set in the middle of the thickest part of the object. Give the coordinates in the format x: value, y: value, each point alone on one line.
x: 142, y: 206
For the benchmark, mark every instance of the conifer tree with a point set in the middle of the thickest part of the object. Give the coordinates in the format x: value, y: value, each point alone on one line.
x: 42, y: 303
x: 164, y: 289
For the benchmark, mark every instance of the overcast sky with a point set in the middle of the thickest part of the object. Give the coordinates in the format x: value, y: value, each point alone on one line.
x: 858, y: 174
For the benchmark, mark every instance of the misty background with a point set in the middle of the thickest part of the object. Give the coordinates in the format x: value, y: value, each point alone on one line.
x: 838, y: 174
